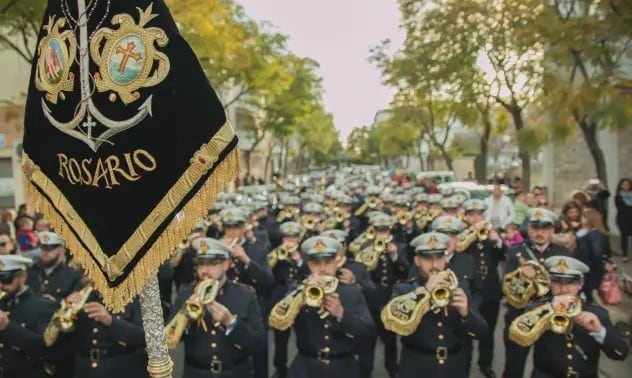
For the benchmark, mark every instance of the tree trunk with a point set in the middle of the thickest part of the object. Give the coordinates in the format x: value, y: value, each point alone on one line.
x: 447, y: 158
x: 286, y: 143
x: 589, y: 130
x: 480, y: 163
x: 525, y: 156
x: 266, y: 168
x: 248, y: 154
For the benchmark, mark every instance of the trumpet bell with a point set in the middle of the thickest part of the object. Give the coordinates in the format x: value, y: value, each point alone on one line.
x: 560, y: 324
x: 314, y: 295
x: 441, y: 296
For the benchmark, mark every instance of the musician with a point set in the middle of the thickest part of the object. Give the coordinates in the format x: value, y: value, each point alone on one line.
x: 536, y: 249
x: 432, y: 338
x: 313, y: 219
x: 213, y: 221
x: 290, y: 209
x: 403, y: 228
x: 575, y: 353
x: 352, y: 224
x: 229, y: 333
x: 354, y: 273
x: 183, y: 257
x: 23, y: 317
x: 450, y: 206
x: 289, y: 270
x: 420, y: 209
x: 254, y: 233
x: 249, y: 266
x: 101, y: 342
x: 50, y: 276
x: 483, y: 243
x: 434, y: 209
x: 391, y: 266
x: 325, y: 340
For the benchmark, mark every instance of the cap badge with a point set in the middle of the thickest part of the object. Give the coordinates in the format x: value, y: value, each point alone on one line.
x: 229, y: 216
x: 538, y: 215
x: 45, y: 238
x: 1, y: 265
x: 448, y: 223
x: 474, y: 205
x: 320, y: 246
x: 203, y: 247
x: 561, y: 266
x: 433, y: 243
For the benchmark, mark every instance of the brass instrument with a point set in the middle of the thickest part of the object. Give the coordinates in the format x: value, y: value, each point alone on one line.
x: 360, y: 241
x: 340, y: 216
x: 404, y: 218
x: 309, y: 222
x: 421, y: 219
x: 432, y: 214
x: 403, y: 313
x: 562, y: 319
x: 204, y: 293
x: 3, y: 294
x: 315, y: 293
x: 176, y: 256
x: 526, y: 329
x: 441, y: 294
x: 483, y: 233
x: 64, y: 318
x: 370, y: 203
x: 519, y: 292
x: 370, y: 255
x: 284, y: 214
x: 280, y: 254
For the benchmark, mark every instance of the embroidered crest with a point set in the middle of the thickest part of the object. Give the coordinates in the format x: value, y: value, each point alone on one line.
x: 45, y: 238
x: 538, y: 215
x: 561, y: 266
x: 448, y: 223
x: 320, y: 246
x: 474, y: 205
x: 203, y: 248
x: 1, y: 265
x: 229, y: 216
x: 433, y: 243
x: 56, y: 53
x: 127, y: 58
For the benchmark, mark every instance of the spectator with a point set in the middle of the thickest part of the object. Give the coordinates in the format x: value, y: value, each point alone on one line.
x: 594, y: 249
x: 6, y: 222
x: 543, y: 202
x: 511, y: 235
x: 42, y: 224
x: 532, y: 201
x: 7, y: 246
x: 520, y: 208
x: 599, y: 196
x: 571, y: 217
x: 517, y: 184
x: 26, y: 237
x: 500, y: 209
x: 623, y: 202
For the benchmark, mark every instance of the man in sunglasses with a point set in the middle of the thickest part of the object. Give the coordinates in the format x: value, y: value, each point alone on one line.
x: 6, y: 245
x: 50, y: 276
x: 23, y: 318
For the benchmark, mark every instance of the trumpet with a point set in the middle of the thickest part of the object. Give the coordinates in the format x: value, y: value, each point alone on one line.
x: 285, y: 214
x: 372, y: 202
x: 562, y: 319
x: 64, y: 318
x: 483, y: 233
x: 379, y: 245
x: 315, y: 293
x: 309, y: 222
x: 340, y: 216
x: 370, y: 256
x: 281, y: 253
x: 441, y: 294
x: 404, y: 218
x: 204, y: 293
x: 3, y: 294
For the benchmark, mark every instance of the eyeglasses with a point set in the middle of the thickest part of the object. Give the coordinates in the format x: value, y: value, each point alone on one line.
x: 543, y: 204
x: 6, y: 279
x: 3, y: 243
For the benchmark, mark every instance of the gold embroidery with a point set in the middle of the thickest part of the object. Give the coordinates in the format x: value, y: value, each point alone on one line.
x: 433, y: 243
x: 320, y: 246
x: 126, y: 57
x: 56, y: 52
x: 203, y: 247
x: 561, y: 266
x: 48, y: 199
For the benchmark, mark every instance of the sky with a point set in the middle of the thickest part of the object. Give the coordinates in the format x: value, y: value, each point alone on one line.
x: 338, y: 34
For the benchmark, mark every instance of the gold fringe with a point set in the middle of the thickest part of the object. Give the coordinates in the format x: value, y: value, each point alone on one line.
x: 116, y: 298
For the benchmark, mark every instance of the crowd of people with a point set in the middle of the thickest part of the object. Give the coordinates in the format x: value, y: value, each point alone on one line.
x: 343, y: 260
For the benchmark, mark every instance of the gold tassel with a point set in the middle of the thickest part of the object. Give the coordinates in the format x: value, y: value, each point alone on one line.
x: 116, y: 298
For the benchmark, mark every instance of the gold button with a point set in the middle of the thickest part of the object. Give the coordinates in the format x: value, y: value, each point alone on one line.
x: 95, y: 330
x: 326, y: 349
x: 213, y: 332
x: 45, y: 282
x: 214, y: 357
x: 326, y: 337
x: 232, y: 265
x: 441, y: 362
x: 570, y: 356
x: 569, y: 345
x: 439, y: 324
x: 213, y: 345
x: 94, y: 365
x: 325, y: 325
x: 237, y: 279
x: 440, y: 337
x: 1, y: 345
x: 94, y: 342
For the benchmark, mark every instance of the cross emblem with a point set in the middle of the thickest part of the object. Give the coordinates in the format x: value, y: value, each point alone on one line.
x: 89, y: 124
x: 128, y: 53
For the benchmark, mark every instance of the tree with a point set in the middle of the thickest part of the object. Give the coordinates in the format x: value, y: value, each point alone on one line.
x: 588, y: 47
x: 237, y: 54
x: 362, y: 146
x: 20, y: 25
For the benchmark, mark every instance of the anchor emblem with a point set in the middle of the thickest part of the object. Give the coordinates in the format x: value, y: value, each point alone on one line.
x: 128, y: 60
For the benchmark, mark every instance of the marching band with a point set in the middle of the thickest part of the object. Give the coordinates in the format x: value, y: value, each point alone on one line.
x: 340, y: 265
